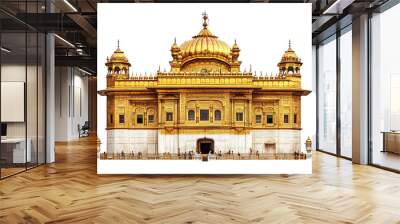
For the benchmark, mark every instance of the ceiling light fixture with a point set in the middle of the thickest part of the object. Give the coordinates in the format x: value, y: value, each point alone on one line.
x: 5, y: 50
x: 84, y: 71
x: 338, y: 6
x: 64, y: 40
x: 70, y: 5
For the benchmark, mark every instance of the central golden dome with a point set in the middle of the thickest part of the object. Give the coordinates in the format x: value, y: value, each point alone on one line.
x: 204, y: 53
x: 206, y: 44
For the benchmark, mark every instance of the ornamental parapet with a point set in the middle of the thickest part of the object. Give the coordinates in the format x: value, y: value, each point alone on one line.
x: 136, y: 82
x: 203, y: 74
x: 275, y: 84
x: 209, y: 79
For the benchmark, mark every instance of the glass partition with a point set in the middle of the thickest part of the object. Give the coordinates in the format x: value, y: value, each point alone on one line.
x: 385, y: 89
x: 13, y: 95
x: 346, y: 92
x: 327, y: 95
x: 22, y: 92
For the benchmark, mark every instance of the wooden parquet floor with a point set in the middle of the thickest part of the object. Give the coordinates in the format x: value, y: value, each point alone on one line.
x: 70, y: 191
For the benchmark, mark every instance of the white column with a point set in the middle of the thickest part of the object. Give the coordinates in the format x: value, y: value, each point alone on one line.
x: 50, y: 98
x: 360, y: 90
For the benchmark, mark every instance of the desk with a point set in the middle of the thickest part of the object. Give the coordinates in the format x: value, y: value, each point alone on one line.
x: 391, y: 141
x: 13, y: 150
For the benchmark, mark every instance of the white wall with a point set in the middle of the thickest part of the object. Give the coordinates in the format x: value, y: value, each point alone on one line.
x: 12, y: 73
x: 146, y: 141
x: 16, y: 73
x: 71, y: 102
x: 187, y: 142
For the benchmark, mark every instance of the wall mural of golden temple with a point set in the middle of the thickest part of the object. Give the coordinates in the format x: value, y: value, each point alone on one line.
x: 205, y: 104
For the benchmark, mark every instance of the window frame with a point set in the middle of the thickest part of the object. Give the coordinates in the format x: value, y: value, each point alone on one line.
x: 334, y: 36
x: 121, y: 117
x: 272, y: 119
x: 286, y: 118
x: 137, y: 119
x: 169, y: 114
x: 239, y: 115
x: 260, y: 120
x: 189, y: 115
x: 220, y: 115
x: 150, y: 121
x: 201, y: 114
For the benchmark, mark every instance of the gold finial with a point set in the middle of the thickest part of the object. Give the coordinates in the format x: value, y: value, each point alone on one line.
x: 290, y: 44
x: 118, y: 44
x: 235, y: 46
x: 174, y: 45
x: 205, y: 19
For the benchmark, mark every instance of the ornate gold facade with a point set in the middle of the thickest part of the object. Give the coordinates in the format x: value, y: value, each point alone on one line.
x: 204, y: 92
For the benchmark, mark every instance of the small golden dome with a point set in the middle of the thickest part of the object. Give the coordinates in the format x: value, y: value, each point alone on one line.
x: 235, y: 46
x: 205, y: 44
x: 174, y: 45
x: 118, y: 56
x: 309, y: 140
x: 290, y: 55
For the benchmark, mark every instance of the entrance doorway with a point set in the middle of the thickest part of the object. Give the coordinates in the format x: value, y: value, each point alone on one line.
x: 269, y: 148
x: 205, y: 146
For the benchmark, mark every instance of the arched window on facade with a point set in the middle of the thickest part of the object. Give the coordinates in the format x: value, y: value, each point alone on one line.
x: 191, y: 115
x: 117, y: 70
x: 217, y: 115
x: 290, y: 70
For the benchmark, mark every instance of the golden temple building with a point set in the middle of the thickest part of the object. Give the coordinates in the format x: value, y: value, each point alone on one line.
x: 205, y: 103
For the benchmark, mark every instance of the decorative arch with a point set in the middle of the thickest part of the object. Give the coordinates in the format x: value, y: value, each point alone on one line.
x: 217, y: 115
x: 205, y: 146
x: 191, y: 115
x: 117, y: 69
x: 205, y: 65
x: 290, y: 70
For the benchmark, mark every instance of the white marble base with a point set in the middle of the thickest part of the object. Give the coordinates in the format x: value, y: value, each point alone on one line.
x: 287, y: 141
x: 187, y: 142
x: 123, y: 140
x: 151, y: 141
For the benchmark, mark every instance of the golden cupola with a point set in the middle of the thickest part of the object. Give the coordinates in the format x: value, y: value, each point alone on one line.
x: 290, y: 62
x: 118, y: 64
x: 204, y: 53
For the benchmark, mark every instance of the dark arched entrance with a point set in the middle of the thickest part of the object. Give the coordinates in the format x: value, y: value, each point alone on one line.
x: 205, y: 146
